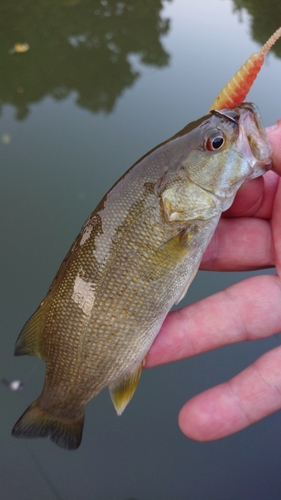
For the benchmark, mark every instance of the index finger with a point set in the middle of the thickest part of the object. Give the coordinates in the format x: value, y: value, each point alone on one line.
x: 241, y: 312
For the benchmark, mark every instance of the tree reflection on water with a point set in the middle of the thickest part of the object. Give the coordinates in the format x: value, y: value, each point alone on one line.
x: 77, y: 46
x: 265, y: 19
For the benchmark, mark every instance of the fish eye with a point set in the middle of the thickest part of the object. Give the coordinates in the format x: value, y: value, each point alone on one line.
x: 215, y: 141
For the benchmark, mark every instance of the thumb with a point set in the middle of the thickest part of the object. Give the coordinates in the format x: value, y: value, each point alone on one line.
x: 274, y: 135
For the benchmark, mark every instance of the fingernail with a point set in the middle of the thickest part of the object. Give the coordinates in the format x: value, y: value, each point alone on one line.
x: 270, y: 129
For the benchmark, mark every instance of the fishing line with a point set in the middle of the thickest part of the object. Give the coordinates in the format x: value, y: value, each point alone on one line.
x: 43, y: 473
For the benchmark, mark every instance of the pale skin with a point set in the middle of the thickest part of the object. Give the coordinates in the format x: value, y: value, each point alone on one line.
x: 248, y: 237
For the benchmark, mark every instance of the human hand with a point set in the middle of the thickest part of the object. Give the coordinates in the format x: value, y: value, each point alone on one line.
x: 248, y: 237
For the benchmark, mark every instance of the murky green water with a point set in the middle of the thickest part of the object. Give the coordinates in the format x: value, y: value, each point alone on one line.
x: 102, y: 83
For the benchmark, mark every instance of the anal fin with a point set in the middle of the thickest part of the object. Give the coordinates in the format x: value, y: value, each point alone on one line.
x: 122, y: 391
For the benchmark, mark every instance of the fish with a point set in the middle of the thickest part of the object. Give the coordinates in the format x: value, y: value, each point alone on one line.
x: 102, y: 347
x: 134, y: 258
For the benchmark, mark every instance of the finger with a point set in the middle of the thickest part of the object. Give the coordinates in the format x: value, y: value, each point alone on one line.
x: 276, y: 229
x: 232, y: 406
x: 255, y: 198
x: 245, y: 242
x: 245, y: 311
x: 248, y: 199
x: 274, y: 134
x: 240, y: 244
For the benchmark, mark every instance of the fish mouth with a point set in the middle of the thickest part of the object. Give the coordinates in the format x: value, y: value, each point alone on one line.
x: 252, y: 138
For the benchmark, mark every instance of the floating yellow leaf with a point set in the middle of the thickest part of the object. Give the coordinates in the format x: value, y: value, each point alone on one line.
x: 19, y: 48
x: 6, y: 138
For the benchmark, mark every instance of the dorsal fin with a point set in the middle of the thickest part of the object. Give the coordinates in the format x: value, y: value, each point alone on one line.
x: 29, y: 340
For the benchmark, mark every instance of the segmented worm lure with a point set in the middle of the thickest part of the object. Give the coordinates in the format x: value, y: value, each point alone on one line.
x: 235, y: 91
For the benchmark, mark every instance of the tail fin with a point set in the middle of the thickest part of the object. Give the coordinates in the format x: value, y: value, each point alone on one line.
x: 34, y: 423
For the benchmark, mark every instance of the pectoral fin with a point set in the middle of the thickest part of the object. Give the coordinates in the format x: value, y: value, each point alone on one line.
x: 166, y: 257
x: 123, y: 390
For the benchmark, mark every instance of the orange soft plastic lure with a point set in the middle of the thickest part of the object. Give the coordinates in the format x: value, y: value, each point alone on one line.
x: 236, y: 90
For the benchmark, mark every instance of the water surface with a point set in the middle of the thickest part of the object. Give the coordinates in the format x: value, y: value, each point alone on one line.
x: 102, y: 83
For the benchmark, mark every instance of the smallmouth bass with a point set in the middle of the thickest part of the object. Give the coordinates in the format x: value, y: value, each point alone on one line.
x: 133, y: 260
